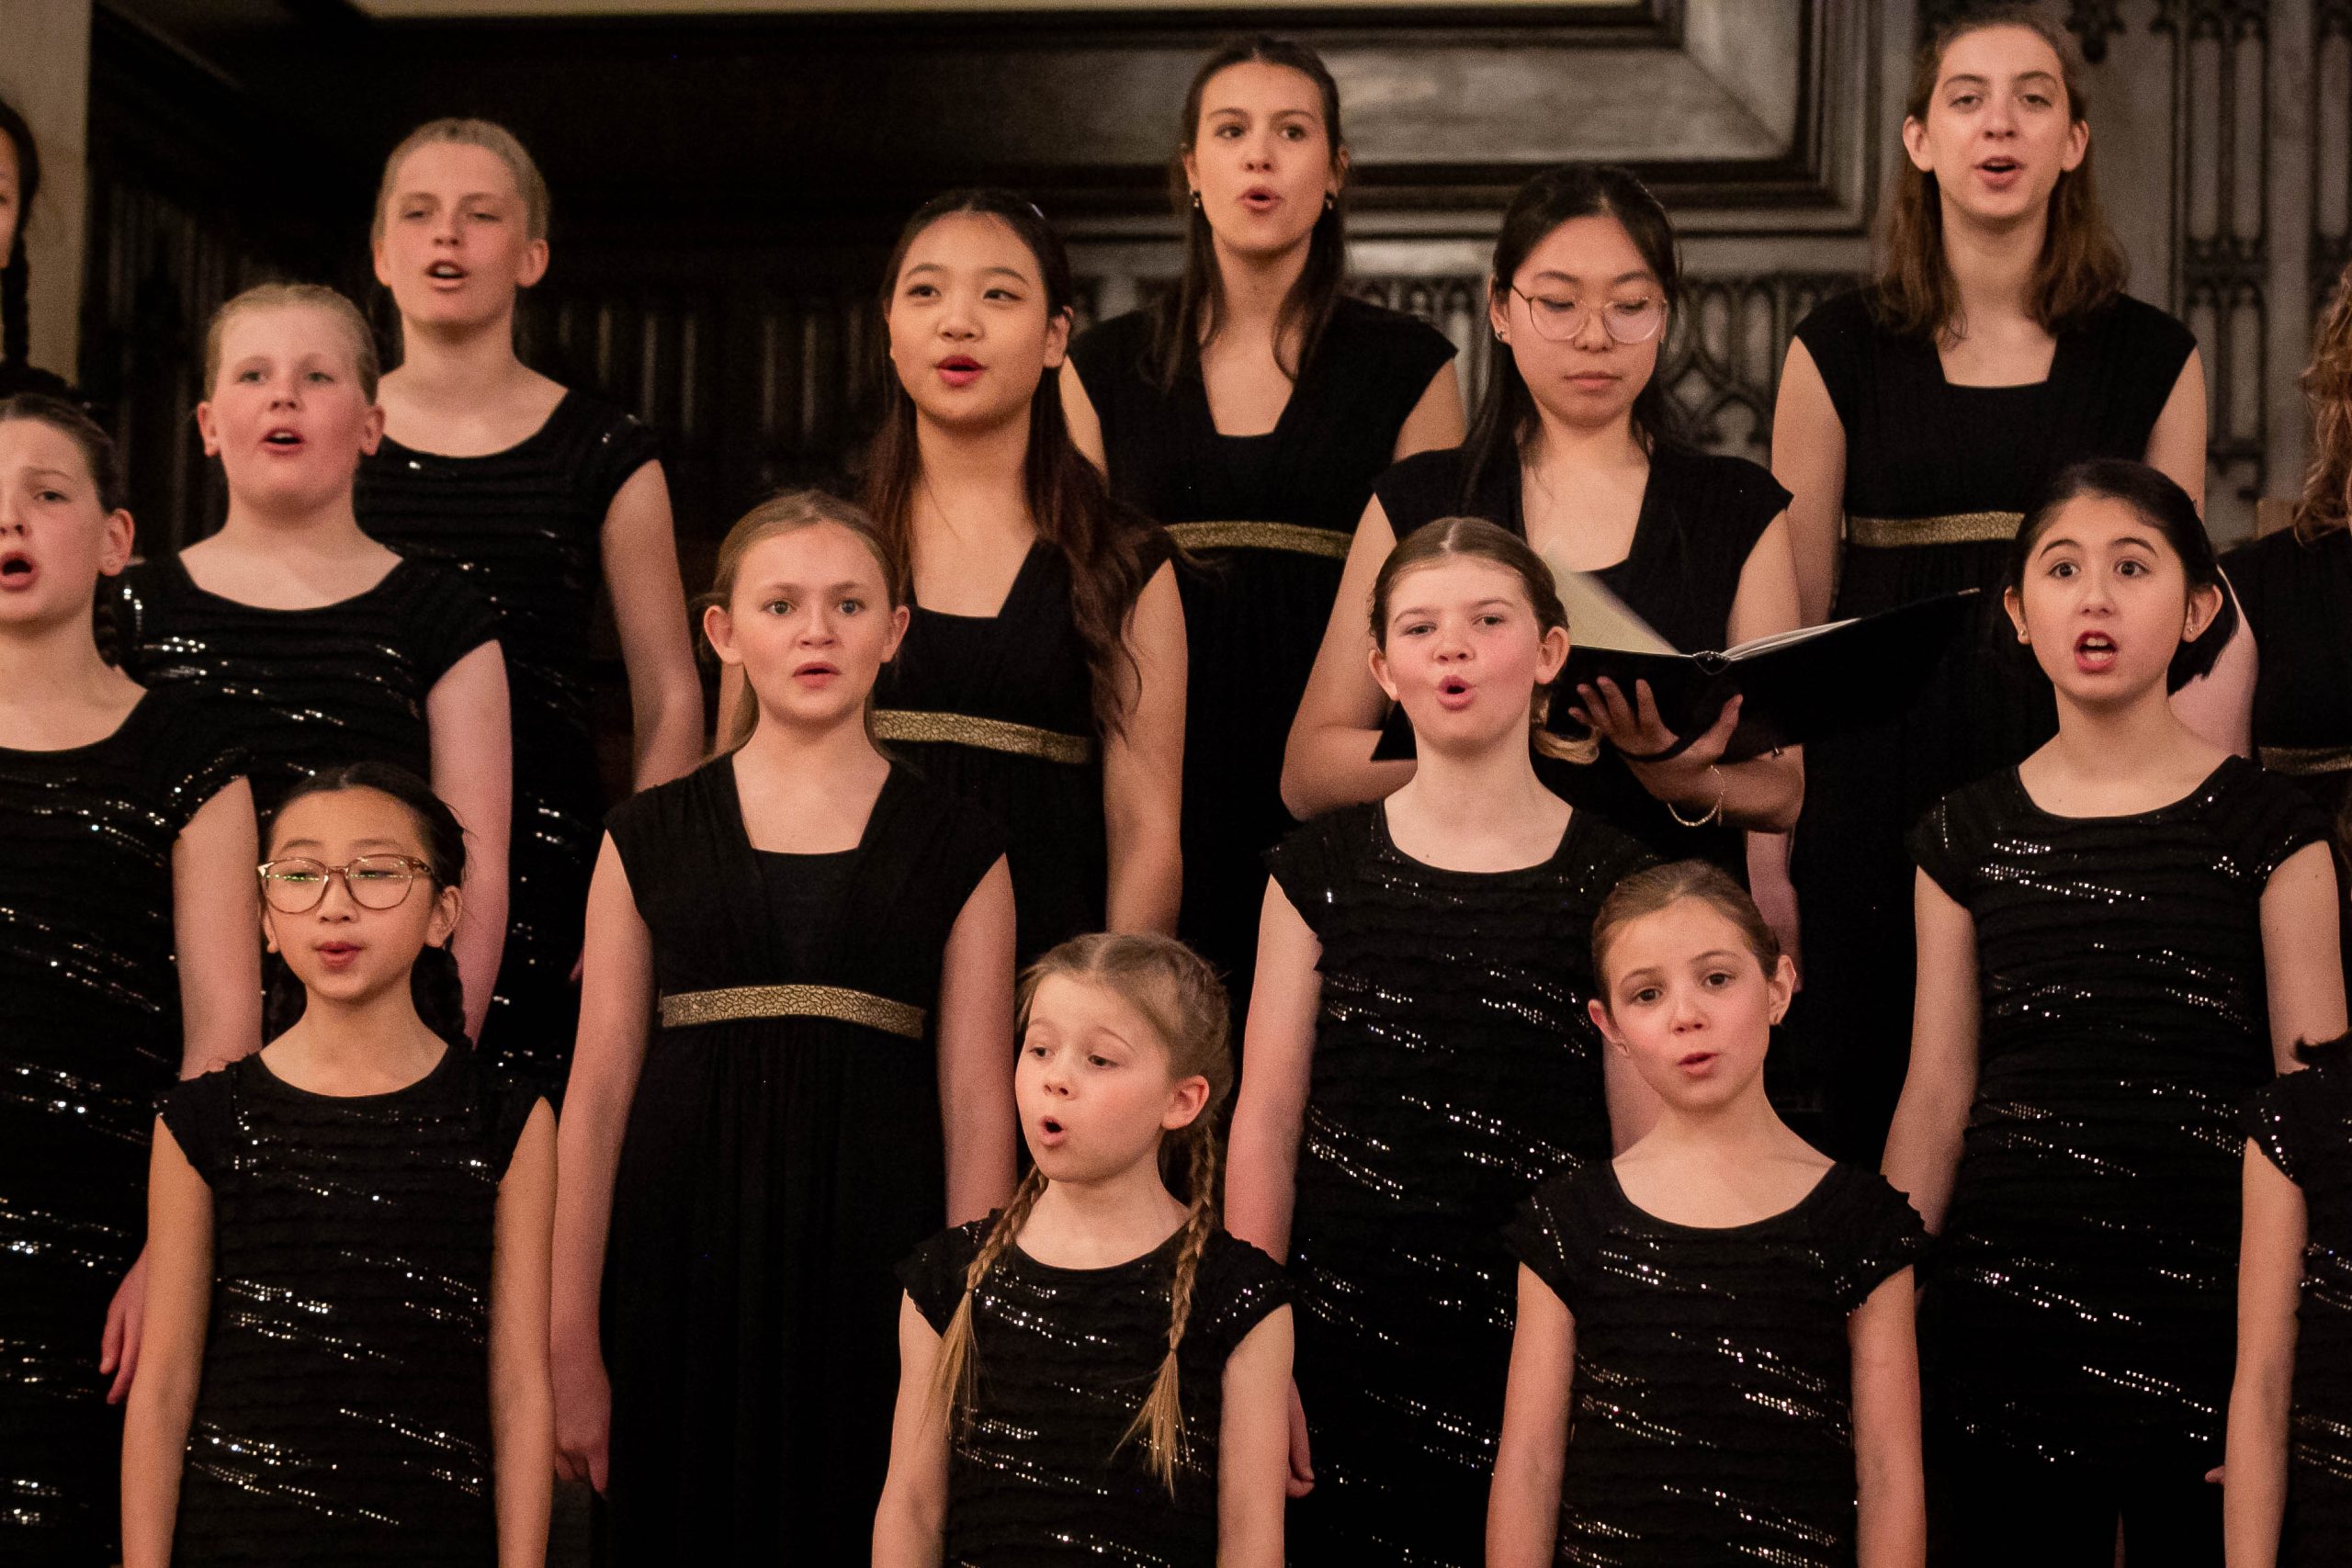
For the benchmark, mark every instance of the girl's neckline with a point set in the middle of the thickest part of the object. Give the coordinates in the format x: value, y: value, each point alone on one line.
x: 1011, y: 590
x: 2017, y: 782
x: 178, y: 567
x: 391, y: 443
x: 1812, y: 1195
x: 1174, y: 1238
x: 1644, y: 516
x: 122, y: 726
x: 1389, y: 843
x: 726, y: 766
x: 448, y: 1054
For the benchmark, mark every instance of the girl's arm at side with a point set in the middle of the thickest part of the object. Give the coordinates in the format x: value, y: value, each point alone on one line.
x: 1436, y: 421
x: 2176, y: 441
x: 1923, y: 1145
x: 1524, y: 1505
x: 976, y: 1057
x: 1143, y: 767
x: 1809, y: 459
x: 616, y: 1002
x: 1078, y: 413
x: 162, y: 1401
x: 2301, y: 963
x: 1891, y: 1528
x: 650, y: 613
x: 1254, y: 1446
x: 2270, y: 1278
x: 911, y: 1526
x: 473, y: 770
x: 2219, y: 704
x: 1328, y: 760
x: 1279, y: 1044
x: 521, y: 1399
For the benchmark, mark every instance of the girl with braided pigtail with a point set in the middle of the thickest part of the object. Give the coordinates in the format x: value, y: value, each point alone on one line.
x: 1098, y: 1373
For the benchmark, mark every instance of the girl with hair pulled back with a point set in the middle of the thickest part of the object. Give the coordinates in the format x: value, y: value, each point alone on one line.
x: 1097, y: 1371
x: 796, y: 1012
x: 19, y: 185
x: 1419, y: 1055
x: 346, y: 1336
x: 2119, y: 939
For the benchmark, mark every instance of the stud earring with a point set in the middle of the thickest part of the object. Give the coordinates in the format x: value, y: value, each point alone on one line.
x: 1197, y: 201
x: 1330, y: 200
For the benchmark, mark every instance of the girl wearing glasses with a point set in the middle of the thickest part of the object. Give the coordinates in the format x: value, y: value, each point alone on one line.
x: 1576, y: 449
x: 1916, y: 419
x: 347, y: 1298
x: 292, y: 628
x: 126, y: 956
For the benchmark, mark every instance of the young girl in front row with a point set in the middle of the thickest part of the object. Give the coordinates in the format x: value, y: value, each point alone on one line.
x: 2120, y: 940
x: 1722, y: 1317
x: 2288, y: 1497
x: 1114, y: 1367
x: 346, y: 1356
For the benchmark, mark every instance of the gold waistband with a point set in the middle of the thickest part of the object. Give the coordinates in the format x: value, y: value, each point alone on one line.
x: 683, y: 1010
x: 1954, y: 528
x: 989, y: 734
x: 1295, y: 538
x: 2307, y: 760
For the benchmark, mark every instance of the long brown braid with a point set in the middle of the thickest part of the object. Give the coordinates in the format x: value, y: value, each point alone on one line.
x: 1178, y: 997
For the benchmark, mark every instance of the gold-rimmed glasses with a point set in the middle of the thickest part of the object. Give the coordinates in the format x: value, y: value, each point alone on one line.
x: 297, y: 884
x: 1629, y: 321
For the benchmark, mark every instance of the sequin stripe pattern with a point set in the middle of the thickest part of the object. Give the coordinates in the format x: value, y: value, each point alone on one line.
x: 1952, y: 528
x: 1292, y: 537
x: 2303, y: 762
x: 736, y: 1004
x: 989, y: 734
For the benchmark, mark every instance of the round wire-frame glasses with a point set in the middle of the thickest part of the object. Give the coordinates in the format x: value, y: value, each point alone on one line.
x: 297, y: 884
x: 1629, y: 321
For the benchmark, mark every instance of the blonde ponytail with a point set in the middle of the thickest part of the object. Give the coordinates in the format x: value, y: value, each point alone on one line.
x: 952, y: 1380
x: 1160, y: 1422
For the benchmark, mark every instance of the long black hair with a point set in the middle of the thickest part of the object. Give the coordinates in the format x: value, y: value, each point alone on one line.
x: 15, y: 277
x: 1506, y: 414
x: 2155, y: 497
x: 434, y: 984
x: 1186, y: 318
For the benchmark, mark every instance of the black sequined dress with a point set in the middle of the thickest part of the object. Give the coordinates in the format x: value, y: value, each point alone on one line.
x: 2081, y: 1306
x: 1063, y: 1358
x: 526, y: 529
x: 91, y: 1043
x: 1455, y: 1070
x: 2303, y: 1123
x: 1711, y: 1411
x: 344, y: 1414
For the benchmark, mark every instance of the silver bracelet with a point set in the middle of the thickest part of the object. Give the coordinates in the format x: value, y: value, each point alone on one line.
x: 1714, y: 812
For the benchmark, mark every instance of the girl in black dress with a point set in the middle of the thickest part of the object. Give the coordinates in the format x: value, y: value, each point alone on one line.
x: 2120, y: 940
x: 128, y: 958
x: 1422, y: 1059
x: 1916, y: 419
x: 1042, y: 670
x: 293, y: 629
x: 347, y: 1306
x: 1712, y: 1360
x: 1575, y: 450
x: 2288, y: 1499
x: 826, y: 939
x: 20, y: 184
x: 537, y: 495
x: 1250, y: 410
x: 1114, y: 1367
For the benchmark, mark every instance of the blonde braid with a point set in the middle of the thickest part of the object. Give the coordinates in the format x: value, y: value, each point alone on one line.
x: 952, y: 1381
x: 1160, y: 1422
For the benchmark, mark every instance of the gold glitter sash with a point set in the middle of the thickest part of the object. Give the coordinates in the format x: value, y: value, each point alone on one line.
x: 683, y: 1010
x: 1292, y: 536
x: 2303, y: 760
x: 1954, y: 528
x: 989, y: 734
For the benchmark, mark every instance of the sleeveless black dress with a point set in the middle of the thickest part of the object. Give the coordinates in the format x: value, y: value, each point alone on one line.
x: 1711, y: 1410
x: 344, y: 1414
x: 1936, y: 480
x: 2297, y: 600
x: 306, y: 689
x: 1455, y: 1070
x: 1034, y: 761
x: 774, y: 1169
x: 2081, y: 1307
x: 91, y: 1043
x: 2303, y: 1123
x: 526, y: 528
x: 1701, y: 517
x: 1042, y: 1474
x: 1285, y: 505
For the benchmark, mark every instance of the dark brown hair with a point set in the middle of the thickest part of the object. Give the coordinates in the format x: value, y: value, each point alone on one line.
x: 1070, y: 503
x: 1187, y: 317
x: 16, y: 275
x: 1658, y: 887
x: 1477, y: 537
x: 2327, y: 387
x: 1180, y: 998
x: 2082, y: 266
x: 96, y: 446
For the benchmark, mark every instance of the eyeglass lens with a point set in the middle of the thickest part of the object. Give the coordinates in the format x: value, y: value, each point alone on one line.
x: 375, y: 882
